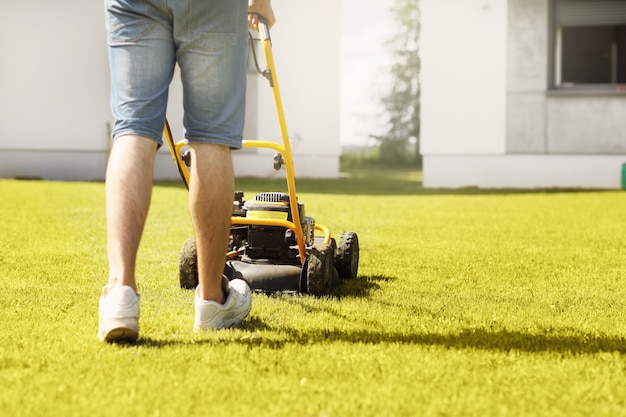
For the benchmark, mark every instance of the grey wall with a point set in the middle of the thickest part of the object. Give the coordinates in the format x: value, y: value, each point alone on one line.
x: 586, y: 124
x: 540, y: 120
x: 527, y: 78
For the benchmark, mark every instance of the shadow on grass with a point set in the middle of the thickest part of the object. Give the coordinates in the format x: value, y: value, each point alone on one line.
x: 260, y: 334
x: 475, y: 339
x: 480, y: 339
x: 359, y: 287
x: 576, y: 342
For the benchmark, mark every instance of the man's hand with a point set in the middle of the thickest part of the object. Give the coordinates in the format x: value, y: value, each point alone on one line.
x: 263, y: 8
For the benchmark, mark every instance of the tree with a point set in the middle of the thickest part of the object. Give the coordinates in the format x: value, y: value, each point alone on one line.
x: 400, y: 142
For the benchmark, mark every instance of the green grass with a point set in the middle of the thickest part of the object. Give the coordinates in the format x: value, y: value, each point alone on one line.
x: 467, y: 303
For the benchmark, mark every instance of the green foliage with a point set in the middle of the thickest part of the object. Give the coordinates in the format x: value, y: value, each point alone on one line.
x: 366, y: 157
x: 399, y: 145
x: 467, y: 303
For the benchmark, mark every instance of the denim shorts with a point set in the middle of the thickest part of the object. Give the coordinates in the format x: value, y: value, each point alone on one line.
x: 207, y: 38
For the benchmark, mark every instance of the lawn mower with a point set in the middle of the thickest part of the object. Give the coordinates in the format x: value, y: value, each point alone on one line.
x: 274, y: 246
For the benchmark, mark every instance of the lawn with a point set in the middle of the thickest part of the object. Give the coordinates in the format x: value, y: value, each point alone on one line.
x: 467, y: 303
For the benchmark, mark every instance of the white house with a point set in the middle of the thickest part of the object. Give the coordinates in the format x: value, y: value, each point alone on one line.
x: 523, y: 93
x: 515, y: 93
x: 54, y: 92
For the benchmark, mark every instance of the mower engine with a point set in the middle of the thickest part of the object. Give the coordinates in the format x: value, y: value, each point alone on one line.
x: 257, y: 243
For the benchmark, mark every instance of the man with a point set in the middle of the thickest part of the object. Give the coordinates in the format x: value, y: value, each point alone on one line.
x: 208, y: 40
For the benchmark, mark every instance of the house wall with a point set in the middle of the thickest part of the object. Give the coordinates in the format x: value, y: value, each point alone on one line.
x: 463, y: 78
x: 544, y: 122
x: 586, y: 124
x: 54, y: 108
x: 549, y: 138
x: 527, y: 76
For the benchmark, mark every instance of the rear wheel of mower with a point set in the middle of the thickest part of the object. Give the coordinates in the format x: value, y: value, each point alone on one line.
x: 347, y: 260
x: 320, y: 269
x: 188, y: 265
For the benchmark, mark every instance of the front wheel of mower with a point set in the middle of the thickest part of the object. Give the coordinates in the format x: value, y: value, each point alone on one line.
x: 188, y: 265
x: 347, y: 260
x: 320, y: 269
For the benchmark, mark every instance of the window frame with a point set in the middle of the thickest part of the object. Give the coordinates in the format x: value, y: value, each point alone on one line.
x: 555, y: 72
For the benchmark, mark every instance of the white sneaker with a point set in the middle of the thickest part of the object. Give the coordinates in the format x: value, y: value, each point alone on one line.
x: 213, y: 315
x: 119, y: 315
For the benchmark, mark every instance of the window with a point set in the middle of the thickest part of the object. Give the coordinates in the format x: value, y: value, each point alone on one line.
x: 590, y: 44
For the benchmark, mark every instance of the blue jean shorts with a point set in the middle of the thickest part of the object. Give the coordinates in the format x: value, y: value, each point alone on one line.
x: 207, y: 38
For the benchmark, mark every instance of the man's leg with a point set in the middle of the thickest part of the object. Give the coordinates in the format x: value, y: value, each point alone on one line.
x: 211, y: 190
x: 218, y: 303
x: 128, y: 193
x: 213, y: 75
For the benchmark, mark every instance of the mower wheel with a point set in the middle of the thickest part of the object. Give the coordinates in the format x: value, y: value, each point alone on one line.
x: 347, y: 260
x: 320, y: 269
x: 188, y: 265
